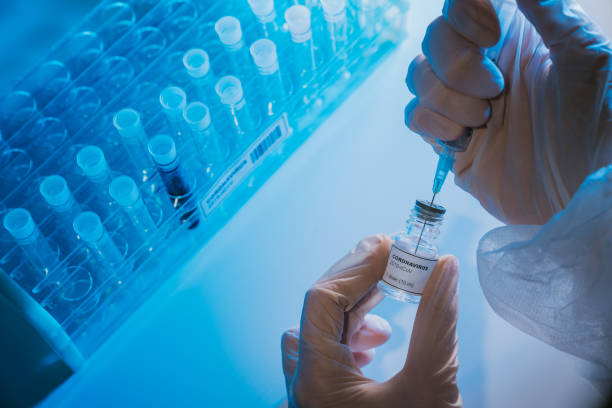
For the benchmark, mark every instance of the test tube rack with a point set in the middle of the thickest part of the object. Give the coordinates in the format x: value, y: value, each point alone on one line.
x: 122, y: 55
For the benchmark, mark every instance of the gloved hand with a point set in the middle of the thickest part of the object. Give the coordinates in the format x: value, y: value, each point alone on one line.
x: 321, y: 361
x: 542, y: 111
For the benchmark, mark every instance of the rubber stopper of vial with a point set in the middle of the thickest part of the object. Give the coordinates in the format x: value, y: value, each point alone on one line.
x: 163, y: 149
x: 229, y: 90
x: 54, y: 190
x: 124, y: 191
x: 88, y: 226
x: 19, y: 223
x: 197, y: 115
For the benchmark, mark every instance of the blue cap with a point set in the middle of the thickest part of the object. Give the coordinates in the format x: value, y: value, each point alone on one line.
x: 197, y: 115
x: 163, y: 149
x: 197, y: 62
x: 173, y: 98
x: 54, y: 190
x: 124, y: 191
x: 229, y: 89
x: 19, y: 223
x: 88, y: 226
x: 127, y: 122
x: 91, y: 160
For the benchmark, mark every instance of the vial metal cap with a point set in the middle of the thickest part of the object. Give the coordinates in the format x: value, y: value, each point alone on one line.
x: 427, y: 211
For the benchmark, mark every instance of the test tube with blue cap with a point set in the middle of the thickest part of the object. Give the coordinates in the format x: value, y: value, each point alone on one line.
x: 173, y: 100
x: 265, y: 14
x: 58, y: 196
x: 39, y: 253
x: 125, y: 192
x: 230, y: 34
x: 303, y: 64
x: 129, y: 126
x: 92, y: 162
x: 272, y: 86
x: 197, y: 63
x: 229, y: 89
x: 163, y: 151
x: 213, y: 148
x: 89, y: 228
x: 334, y: 12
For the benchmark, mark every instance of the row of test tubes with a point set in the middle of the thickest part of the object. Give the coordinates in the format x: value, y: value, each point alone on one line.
x: 232, y: 92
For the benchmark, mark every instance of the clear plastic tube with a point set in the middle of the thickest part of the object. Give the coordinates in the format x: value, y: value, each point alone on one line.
x: 117, y: 74
x: 229, y: 89
x: 89, y: 228
x: 214, y: 150
x: 81, y: 50
x: 19, y: 223
x: 266, y: 18
x: 48, y: 80
x: 125, y: 192
x: 80, y: 105
x: 303, y: 65
x: 369, y: 17
x: 129, y: 126
x: 273, y: 89
x: 58, y: 196
x: 197, y: 63
x: 163, y: 151
x: 334, y: 12
x: 47, y: 134
x: 17, y: 108
x: 173, y: 100
x: 92, y: 163
x: 230, y: 34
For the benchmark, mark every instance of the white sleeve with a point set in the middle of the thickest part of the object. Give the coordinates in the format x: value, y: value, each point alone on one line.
x: 554, y: 282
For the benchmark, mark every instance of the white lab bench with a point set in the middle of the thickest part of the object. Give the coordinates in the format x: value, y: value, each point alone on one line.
x: 211, y: 335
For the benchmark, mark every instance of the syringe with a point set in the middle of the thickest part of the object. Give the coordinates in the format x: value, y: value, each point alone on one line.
x: 447, y: 159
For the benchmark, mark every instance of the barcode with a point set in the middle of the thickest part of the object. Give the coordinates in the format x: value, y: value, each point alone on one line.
x: 265, y: 144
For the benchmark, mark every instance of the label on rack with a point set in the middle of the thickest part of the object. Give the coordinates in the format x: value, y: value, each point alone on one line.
x: 246, y: 163
x: 408, y: 272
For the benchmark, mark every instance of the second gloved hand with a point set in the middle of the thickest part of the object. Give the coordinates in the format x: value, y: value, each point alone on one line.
x: 321, y: 361
x: 542, y: 112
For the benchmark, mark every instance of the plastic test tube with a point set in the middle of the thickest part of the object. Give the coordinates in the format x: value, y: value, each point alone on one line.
x: 19, y: 223
x: 125, y: 192
x: 92, y: 162
x: 129, y: 126
x: 229, y: 89
x: 58, y: 196
x: 215, y: 151
x: 266, y: 60
x: 266, y: 17
x: 230, y: 34
x: 369, y: 17
x: 89, y: 228
x: 197, y: 63
x: 303, y: 65
x: 173, y: 99
x: 17, y: 108
x: 163, y: 151
x: 334, y: 12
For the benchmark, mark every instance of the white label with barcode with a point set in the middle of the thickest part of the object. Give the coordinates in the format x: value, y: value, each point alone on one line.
x: 407, y: 271
x: 246, y: 163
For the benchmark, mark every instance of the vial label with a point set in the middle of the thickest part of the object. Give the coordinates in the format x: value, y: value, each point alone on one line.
x: 407, y: 271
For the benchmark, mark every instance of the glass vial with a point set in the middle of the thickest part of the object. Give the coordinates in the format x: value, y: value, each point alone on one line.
x: 413, y: 254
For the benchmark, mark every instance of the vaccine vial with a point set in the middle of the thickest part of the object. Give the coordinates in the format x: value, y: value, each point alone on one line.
x: 413, y: 254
